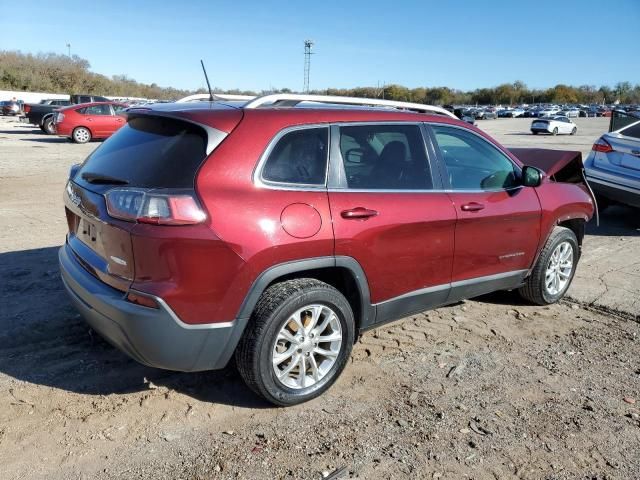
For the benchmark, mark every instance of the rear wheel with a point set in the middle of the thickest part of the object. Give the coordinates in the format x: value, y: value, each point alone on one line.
x: 554, y: 271
x: 574, y: 131
x: 47, y: 126
x: 534, y: 132
x: 555, y: 131
x: 81, y: 135
x: 298, y: 341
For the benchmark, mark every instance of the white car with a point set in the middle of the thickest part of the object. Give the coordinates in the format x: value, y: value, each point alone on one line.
x: 570, y: 112
x: 548, y: 112
x: 553, y: 125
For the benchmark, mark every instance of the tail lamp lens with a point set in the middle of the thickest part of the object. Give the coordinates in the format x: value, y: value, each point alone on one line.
x: 158, y: 208
x: 602, y: 145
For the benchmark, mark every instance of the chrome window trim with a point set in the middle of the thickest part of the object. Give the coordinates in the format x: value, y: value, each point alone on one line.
x: 517, y: 167
x: 257, y: 172
x: 441, y: 190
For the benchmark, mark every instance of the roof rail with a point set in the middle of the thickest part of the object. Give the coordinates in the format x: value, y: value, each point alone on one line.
x: 204, y: 97
x: 291, y: 100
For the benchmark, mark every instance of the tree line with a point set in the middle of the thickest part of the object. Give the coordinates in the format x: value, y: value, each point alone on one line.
x: 55, y: 73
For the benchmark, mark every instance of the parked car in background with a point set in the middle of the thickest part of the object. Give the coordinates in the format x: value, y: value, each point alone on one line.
x: 41, y: 114
x: 613, y: 166
x: 490, y: 113
x: 204, y: 231
x: 548, y: 112
x: 465, y: 115
x: 11, y: 107
x: 514, y: 113
x: 569, y: 112
x: 87, y: 121
x: 553, y: 125
x: 532, y: 112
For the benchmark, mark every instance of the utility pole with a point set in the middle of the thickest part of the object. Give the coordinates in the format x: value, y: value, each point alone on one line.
x: 69, y: 49
x: 308, y: 45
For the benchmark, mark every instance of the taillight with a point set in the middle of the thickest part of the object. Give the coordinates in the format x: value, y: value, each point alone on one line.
x: 602, y: 145
x: 58, y: 118
x: 155, y: 206
x: 27, y: 108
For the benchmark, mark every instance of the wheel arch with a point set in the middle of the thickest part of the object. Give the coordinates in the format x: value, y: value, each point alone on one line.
x: 45, y: 116
x: 342, y: 272
x: 576, y: 222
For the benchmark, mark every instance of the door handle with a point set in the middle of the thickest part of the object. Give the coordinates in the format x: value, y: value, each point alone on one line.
x: 472, y: 207
x: 358, y: 213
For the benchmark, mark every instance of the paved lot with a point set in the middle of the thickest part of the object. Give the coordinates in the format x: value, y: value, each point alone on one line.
x: 489, y: 388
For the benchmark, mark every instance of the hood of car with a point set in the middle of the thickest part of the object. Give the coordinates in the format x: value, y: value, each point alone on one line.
x: 549, y: 161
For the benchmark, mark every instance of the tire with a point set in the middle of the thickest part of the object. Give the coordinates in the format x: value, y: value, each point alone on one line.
x: 81, y: 135
x: 574, y: 131
x: 272, y: 322
x: 47, y: 126
x: 42, y: 128
x: 536, y: 288
x: 535, y: 133
x: 555, y: 131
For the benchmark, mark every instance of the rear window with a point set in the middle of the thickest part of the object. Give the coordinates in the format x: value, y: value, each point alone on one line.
x: 632, y: 131
x: 148, y: 153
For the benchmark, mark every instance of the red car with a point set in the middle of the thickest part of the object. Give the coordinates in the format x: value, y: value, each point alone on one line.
x: 86, y: 121
x: 279, y: 229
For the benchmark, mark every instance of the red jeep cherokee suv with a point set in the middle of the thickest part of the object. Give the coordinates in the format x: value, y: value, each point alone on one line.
x: 279, y: 229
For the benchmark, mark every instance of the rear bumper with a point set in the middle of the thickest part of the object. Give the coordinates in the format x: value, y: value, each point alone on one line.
x: 626, y: 194
x: 154, y: 337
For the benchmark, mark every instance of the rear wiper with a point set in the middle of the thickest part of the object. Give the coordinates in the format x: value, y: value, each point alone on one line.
x: 98, y: 178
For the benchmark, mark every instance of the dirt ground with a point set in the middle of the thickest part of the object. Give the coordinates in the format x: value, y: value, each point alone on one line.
x: 488, y: 388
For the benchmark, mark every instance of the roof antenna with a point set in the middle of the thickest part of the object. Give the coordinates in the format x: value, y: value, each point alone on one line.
x: 207, y: 79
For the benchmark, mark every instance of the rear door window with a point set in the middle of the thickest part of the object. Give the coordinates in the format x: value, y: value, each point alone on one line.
x: 97, y: 110
x: 385, y: 157
x: 148, y: 152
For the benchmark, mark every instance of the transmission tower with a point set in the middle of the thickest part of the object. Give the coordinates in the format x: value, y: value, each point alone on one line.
x: 308, y: 45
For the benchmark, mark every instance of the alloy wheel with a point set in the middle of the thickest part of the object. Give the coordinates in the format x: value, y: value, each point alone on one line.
x: 559, y: 269
x: 307, y: 346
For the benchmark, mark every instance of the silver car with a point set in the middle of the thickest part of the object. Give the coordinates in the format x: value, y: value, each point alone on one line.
x: 613, y: 166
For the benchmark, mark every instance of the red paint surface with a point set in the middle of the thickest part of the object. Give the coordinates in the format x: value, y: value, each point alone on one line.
x: 416, y: 240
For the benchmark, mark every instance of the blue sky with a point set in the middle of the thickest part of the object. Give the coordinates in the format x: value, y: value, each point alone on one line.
x: 259, y: 45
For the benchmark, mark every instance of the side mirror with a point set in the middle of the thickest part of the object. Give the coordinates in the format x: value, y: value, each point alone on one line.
x: 531, y: 176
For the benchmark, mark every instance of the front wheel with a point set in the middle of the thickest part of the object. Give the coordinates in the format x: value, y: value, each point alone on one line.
x: 81, y: 135
x: 555, y: 131
x: 298, y: 341
x: 554, y: 270
x: 574, y: 131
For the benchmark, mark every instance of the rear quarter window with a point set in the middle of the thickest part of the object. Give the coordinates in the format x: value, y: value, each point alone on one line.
x: 149, y: 152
